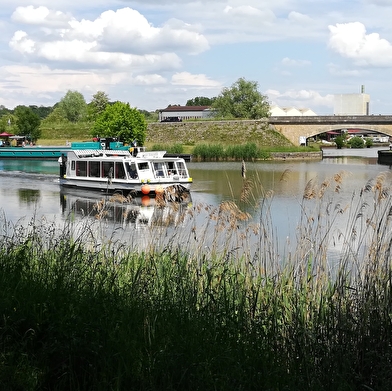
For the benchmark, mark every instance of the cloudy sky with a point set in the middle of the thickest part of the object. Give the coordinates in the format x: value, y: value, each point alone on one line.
x: 152, y: 53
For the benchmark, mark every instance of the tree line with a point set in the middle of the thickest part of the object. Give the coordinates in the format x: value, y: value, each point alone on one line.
x: 118, y: 119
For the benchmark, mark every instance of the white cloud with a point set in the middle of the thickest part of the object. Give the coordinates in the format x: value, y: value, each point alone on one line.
x: 161, y: 52
x: 300, y: 98
x: 295, y: 63
x: 21, y: 43
x: 338, y: 71
x: 185, y: 78
x: 41, y: 16
x: 248, y: 14
x: 124, y: 31
x: 297, y: 17
x: 351, y: 41
x: 150, y: 80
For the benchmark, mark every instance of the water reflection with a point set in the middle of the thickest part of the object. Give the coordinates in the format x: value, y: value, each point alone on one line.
x: 29, y: 196
x: 278, y: 185
x: 126, y: 212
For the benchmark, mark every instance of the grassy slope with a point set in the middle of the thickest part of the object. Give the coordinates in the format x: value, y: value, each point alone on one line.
x: 203, y: 132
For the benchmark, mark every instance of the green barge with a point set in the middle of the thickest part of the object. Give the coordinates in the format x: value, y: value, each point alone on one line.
x: 54, y: 153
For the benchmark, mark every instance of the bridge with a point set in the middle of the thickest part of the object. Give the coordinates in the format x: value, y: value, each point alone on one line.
x: 296, y: 128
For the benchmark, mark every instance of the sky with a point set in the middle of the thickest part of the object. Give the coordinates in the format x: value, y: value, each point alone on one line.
x: 155, y: 53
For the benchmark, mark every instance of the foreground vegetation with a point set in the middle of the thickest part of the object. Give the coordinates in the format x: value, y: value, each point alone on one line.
x: 215, y: 306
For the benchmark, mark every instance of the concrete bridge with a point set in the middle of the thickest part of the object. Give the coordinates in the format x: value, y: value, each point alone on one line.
x: 297, y: 129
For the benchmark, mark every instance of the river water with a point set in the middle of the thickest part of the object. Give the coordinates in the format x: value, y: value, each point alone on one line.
x: 281, y: 189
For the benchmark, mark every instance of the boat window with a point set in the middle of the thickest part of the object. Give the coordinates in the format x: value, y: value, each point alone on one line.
x: 81, y: 168
x: 94, y: 169
x: 131, y: 169
x: 107, y: 169
x: 159, y: 170
x: 182, y: 170
x: 119, y: 171
x: 143, y: 166
x: 171, y: 168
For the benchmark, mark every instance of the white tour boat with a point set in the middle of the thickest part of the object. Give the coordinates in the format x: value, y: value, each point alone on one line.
x: 122, y: 171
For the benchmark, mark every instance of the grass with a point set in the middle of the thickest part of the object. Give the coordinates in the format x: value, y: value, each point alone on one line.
x: 59, y: 133
x: 211, y: 304
x: 195, y: 137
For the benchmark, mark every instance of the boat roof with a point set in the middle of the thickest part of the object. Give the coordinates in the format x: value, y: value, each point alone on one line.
x: 108, y: 153
x: 80, y: 153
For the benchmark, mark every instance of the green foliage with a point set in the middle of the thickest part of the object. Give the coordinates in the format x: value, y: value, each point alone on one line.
x: 97, y: 105
x: 4, y: 111
x: 368, y: 142
x: 356, y: 142
x: 81, y: 314
x: 150, y: 116
x: 121, y: 121
x: 339, y: 141
x: 28, y: 122
x: 57, y: 116
x: 41, y: 111
x: 74, y: 106
x: 207, y: 152
x: 169, y: 148
x: 242, y: 100
x: 8, y: 123
x: 200, y: 101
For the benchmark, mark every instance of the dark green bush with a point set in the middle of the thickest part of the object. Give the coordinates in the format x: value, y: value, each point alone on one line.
x: 356, y: 142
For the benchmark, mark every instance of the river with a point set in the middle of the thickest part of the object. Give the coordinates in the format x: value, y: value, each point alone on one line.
x: 30, y: 189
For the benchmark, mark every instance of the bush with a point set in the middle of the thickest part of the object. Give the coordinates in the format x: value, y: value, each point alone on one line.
x: 368, y: 142
x: 339, y: 141
x: 356, y: 142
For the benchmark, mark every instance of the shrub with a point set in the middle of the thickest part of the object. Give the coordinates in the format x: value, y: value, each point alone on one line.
x: 339, y: 141
x: 368, y: 142
x: 356, y: 142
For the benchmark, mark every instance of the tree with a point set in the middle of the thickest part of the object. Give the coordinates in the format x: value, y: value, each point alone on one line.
x: 41, y: 111
x: 56, y: 116
x: 8, y: 123
x: 242, y: 100
x: 200, y: 101
x: 28, y: 122
x: 74, y: 106
x: 97, y: 105
x: 123, y: 122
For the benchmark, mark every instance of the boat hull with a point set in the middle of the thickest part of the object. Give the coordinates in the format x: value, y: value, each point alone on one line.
x: 47, y: 153
x: 124, y: 188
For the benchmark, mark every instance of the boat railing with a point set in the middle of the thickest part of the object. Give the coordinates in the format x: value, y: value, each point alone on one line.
x: 151, y: 154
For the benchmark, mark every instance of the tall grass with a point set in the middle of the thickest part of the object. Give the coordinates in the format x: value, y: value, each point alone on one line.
x: 216, y: 152
x: 170, y: 148
x: 218, y: 305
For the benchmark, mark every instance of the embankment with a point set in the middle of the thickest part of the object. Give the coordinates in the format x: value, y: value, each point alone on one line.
x: 225, y: 132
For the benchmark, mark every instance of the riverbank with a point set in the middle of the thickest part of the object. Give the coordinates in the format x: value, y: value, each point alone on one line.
x: 296, y: 155
x: 81, y: 314
x: 193, y: 137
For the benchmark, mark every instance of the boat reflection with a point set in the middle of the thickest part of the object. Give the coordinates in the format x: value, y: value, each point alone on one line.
x: 127, y: 212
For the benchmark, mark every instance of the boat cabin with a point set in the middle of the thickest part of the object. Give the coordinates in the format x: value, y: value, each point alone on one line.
x: 88, y: 168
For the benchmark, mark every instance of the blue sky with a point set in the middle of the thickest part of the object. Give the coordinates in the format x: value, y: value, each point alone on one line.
x: 152, y: 53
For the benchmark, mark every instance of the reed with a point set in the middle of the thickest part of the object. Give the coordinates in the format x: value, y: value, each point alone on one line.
x: 216, y: 152
x: 211, y: 301
x: 170, y: 148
